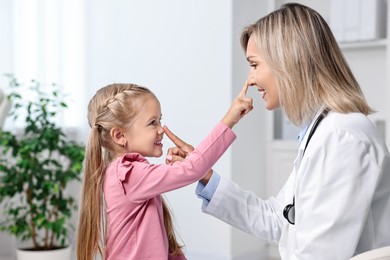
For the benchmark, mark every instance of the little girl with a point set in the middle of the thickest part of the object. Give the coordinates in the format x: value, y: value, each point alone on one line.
x: 134, y: 222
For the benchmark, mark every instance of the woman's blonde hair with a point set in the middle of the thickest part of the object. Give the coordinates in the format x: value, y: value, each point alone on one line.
x: 308, y: 65
x: 112, y: 106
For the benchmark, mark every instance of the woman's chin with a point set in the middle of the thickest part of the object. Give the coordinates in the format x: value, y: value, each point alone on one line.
x: 271, y: 107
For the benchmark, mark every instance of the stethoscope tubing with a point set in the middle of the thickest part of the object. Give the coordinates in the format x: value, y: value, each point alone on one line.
x: 289, y: 210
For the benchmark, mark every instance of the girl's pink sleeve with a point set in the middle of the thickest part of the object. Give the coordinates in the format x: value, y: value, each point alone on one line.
x: 145, y: 180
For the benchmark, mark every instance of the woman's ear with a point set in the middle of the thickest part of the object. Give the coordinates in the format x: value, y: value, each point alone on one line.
x: 117, y: 135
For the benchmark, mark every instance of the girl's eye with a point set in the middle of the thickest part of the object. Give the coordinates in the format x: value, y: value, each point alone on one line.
x: 155, y: 122
x: 253, y: 65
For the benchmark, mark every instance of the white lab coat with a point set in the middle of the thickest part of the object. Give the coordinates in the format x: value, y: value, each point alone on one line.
x: 342, y: 195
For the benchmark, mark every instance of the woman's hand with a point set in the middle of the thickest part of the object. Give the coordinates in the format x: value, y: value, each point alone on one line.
x: 241, y: 106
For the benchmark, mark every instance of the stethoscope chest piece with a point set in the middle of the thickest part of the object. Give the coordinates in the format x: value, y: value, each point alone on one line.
x: 289, y: 213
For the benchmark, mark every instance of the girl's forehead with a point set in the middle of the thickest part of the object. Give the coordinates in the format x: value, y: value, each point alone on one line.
x: 149, y: 104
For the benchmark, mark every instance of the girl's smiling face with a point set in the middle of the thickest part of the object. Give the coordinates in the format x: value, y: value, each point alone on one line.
x: 261, y: 76
x: 145, y: 134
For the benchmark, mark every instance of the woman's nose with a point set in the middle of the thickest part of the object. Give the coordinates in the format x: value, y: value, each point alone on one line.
x: 251, y: 83
x: 251, y: 79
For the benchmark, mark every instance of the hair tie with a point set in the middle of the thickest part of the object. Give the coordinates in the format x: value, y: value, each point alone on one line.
x: 98, y: 127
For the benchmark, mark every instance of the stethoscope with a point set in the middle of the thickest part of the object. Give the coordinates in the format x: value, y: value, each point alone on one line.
x: 289, y: 210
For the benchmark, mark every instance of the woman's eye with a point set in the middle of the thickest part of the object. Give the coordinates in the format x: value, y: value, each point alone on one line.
x: 253, y: 65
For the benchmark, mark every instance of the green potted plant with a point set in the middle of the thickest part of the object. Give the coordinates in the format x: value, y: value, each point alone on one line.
x: 36, y: 167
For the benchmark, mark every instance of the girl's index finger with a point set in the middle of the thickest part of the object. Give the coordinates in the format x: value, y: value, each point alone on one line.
x: 176, y: 140
x: 244, y: 90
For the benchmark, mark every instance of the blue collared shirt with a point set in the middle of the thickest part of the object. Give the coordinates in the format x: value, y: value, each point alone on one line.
x: 304, y: 129
x: 302, y: 132
x: 206, y: 192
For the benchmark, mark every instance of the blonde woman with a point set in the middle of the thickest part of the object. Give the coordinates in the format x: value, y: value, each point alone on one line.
x: 336, y: 202
x: 126, y: 128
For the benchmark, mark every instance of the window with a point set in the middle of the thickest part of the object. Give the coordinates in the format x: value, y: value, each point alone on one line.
x: 44, y: 40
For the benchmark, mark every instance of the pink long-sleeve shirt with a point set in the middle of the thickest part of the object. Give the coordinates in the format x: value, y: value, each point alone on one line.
x: 132, y: 191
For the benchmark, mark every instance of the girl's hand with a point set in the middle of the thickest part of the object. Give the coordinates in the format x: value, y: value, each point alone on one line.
x: 175, y: 154
x: 241, y: 106
x: 181, y: 150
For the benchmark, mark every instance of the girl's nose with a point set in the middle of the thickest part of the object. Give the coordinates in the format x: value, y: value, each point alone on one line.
x: 160, y: 131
